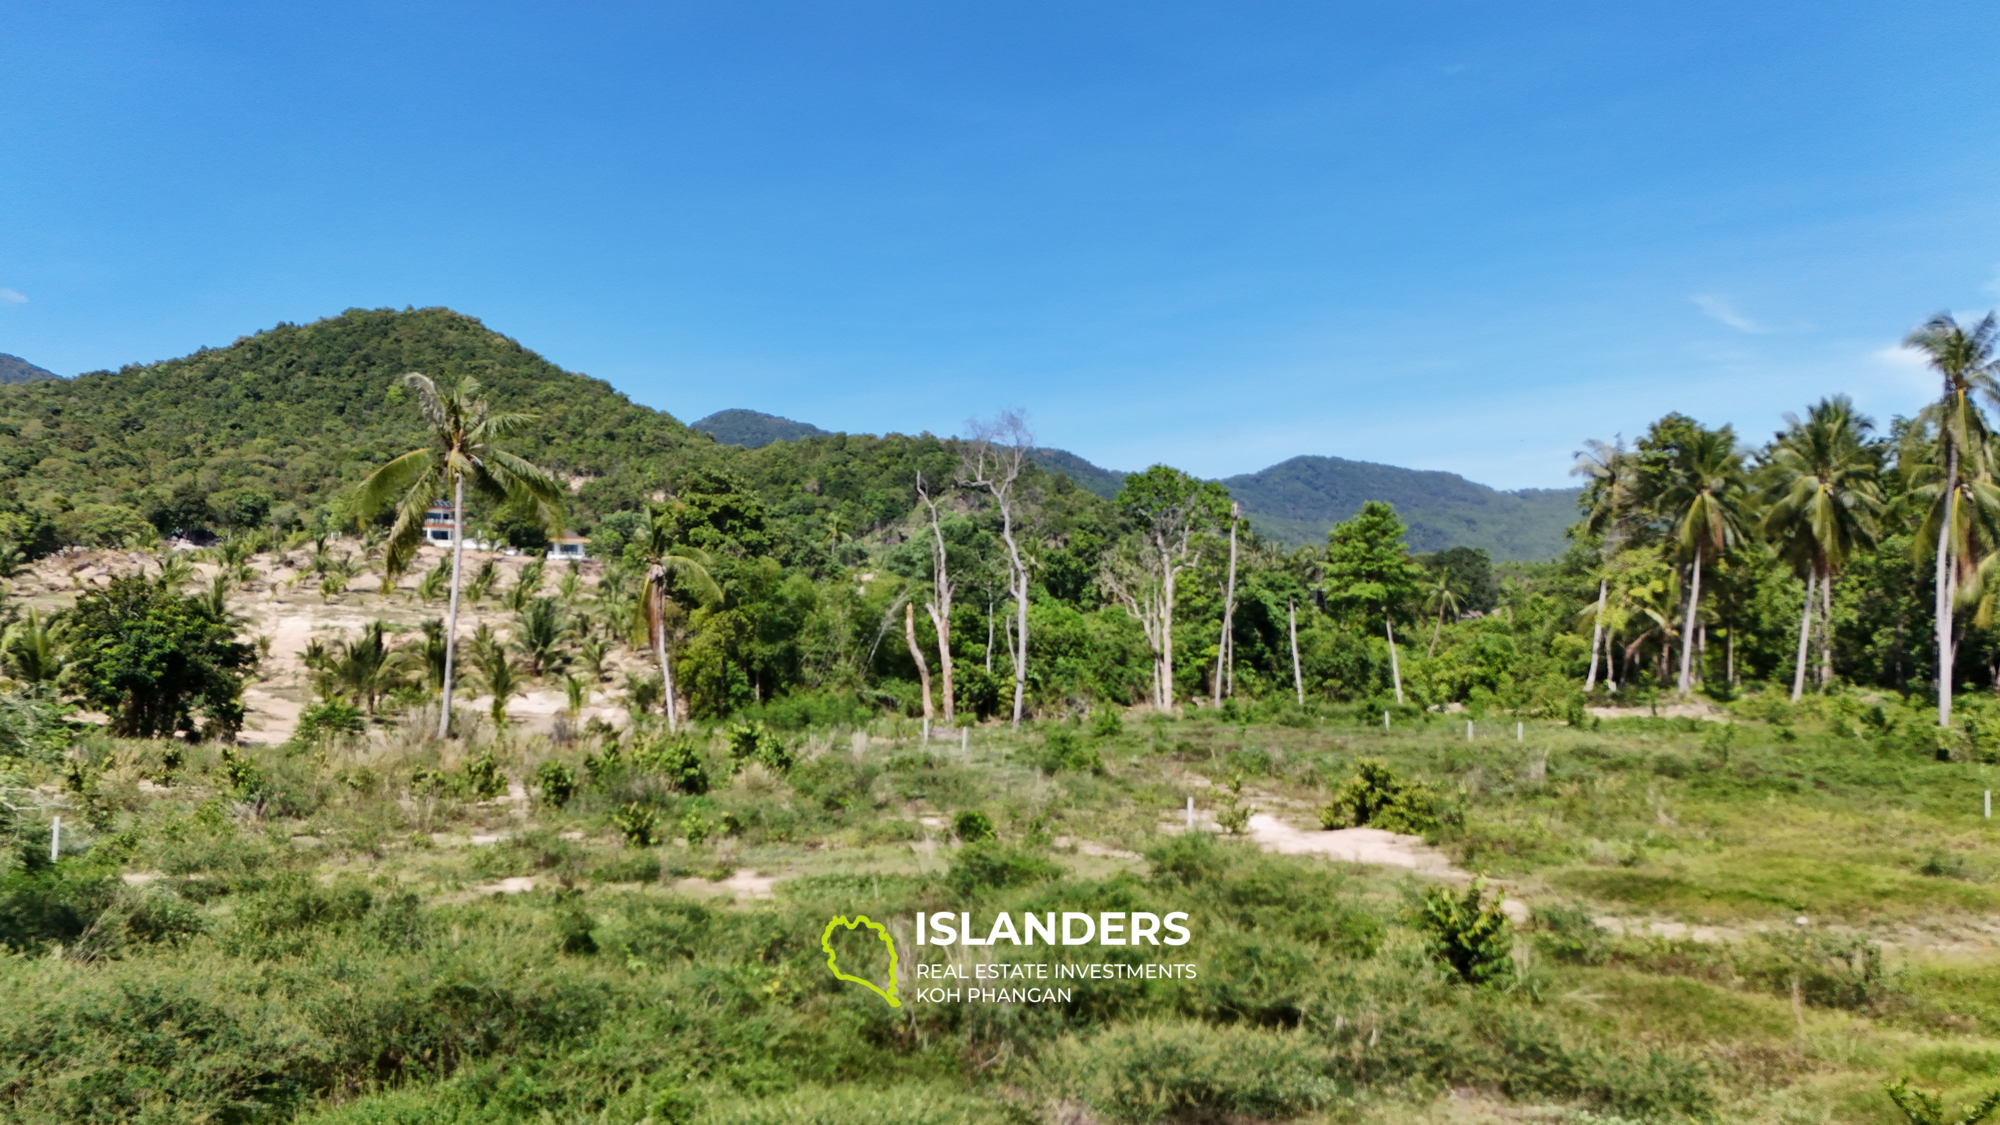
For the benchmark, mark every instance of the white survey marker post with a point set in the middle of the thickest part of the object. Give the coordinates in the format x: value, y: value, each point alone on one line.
x: 1468, y: 730
x: 55, y: 839
x: 1190, y: 810
x: 1385, y: 720
x: 1517, y: 731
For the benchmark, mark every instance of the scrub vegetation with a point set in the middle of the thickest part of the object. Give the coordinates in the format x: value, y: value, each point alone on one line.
x: 1686, y: 824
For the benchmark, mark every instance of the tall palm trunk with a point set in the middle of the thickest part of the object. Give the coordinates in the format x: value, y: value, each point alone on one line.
x: 1596, y: 634
x: 451, y: 614
x: 1395, y: 668
x: 1805, y: 632
x: 656, y: 611
x: 1944, y: 591
x: 1826, y: 629
x: 1687, y: 627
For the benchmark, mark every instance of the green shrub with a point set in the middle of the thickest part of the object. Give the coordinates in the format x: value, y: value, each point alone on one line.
x: 1375, y: 797
x: 695, y: 828
x: 483, y: 779
x: 1569, y: 933
x: 1832, y: 970
x: 245, y: 779
x: 557, y: 783
x: 636, y: 821
x: 1062, y: 750
x: 1158, y: 1071
x: 328, y: 718
x: 972, y: 826
x: 1105, y: 722
x: 1922, y: 1108
x: 678, y: 760
x: 1467, y: 933
x: 989, y: 866
x: 862, y: 1103
x: 754, y: 742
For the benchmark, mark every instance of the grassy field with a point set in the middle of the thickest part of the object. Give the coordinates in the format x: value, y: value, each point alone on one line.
x: 1760, y: 919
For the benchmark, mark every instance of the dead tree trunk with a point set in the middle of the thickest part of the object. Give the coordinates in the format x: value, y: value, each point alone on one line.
x: 939, y: 605
x: 917, y: 654
x: 1292, y: 624
x: 1225, y: 662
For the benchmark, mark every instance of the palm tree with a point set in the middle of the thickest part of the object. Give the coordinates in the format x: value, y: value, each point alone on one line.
x: 1824, y: 498
x: 461, y: 452
x: 1704, y: 496
x: 539, y: 631
x: 366, y: 666
x: 1609, y: 498
x: 1438, y: 592
x: 1965, y: 358
x: 664, y: 565
x: 32, y: 651
x: 501, y: 678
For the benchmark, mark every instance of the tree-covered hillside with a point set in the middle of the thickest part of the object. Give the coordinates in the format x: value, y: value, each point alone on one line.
x: 753, y: 429
x: 1297, y: 501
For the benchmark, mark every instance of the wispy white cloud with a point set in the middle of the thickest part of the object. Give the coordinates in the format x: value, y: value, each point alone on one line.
x: 12, y: 297
x: 1722, y: 309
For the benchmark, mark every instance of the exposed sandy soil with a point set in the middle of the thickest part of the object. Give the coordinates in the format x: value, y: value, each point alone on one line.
x: 284, y: 612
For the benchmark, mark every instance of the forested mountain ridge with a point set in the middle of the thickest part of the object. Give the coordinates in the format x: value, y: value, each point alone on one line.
x: 1297, y: 501
x: 274, y: 430
x: 14, y: 369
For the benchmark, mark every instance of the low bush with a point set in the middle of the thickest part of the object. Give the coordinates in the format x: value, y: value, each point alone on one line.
x: 1375, y: 797
x: 1063, y: 750
x: 1467, y: 933
x: 989, y: 866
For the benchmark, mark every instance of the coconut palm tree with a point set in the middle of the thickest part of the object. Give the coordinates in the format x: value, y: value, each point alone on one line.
x: 461, y: 453
x: 1609, y: 499
x: 1824, y: 499
x: 539, y: 631
x: 1704, y: 495
x: 33, y: 652
x: 1437, y: 592
x: 1965, y: 358
x: 664, y: 565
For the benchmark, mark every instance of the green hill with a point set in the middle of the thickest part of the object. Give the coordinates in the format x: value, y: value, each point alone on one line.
x: 1296, y: 501
x: 754, y: 430
x: 276, y: 427
x: 292, y: 417
x: 14, y: 369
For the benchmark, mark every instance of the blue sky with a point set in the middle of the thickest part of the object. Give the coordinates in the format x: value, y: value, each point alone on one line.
x: 1454, y: 236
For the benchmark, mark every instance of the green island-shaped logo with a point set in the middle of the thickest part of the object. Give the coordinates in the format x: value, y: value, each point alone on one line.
x: 826, y: 943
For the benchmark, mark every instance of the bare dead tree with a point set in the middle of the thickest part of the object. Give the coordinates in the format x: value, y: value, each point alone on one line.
x: 1292, y: 623
x: 917, y: 654
x: 991, y: 461
x: 1225, y: 652
x: 939, y: 603
x: 1173, y: 511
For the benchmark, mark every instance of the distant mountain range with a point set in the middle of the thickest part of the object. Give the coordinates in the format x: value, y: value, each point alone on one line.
x: 14, y: 369
x: 1295, y: 502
